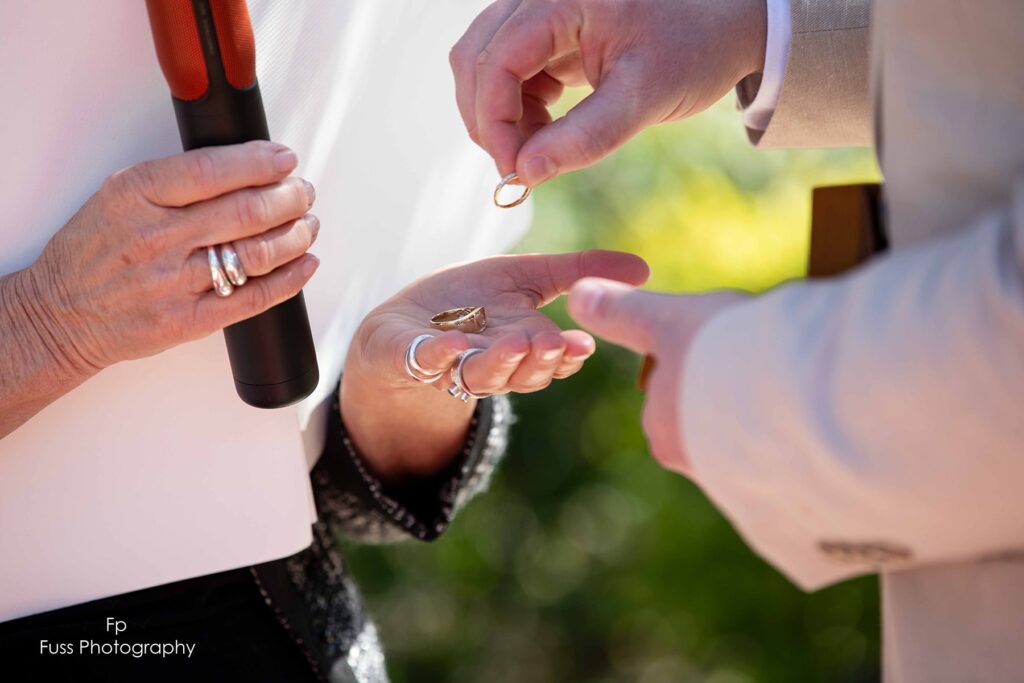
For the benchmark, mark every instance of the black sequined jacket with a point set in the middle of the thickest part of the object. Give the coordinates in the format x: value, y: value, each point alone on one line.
x: 313, y: 594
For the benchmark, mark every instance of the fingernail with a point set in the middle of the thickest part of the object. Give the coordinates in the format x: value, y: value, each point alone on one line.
x: 310, y: 265
x: 538, y: 169
x: 579, y: 357
x: 314, y: 226
x: 310, y: 191
x: 550, y: 354
x: 285, y: 160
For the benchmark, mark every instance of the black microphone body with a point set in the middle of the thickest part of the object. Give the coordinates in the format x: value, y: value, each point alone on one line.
x: 273, y: 358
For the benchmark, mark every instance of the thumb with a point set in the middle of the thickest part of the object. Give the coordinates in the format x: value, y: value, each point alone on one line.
x: 619, y: 313
x: 592, y: 130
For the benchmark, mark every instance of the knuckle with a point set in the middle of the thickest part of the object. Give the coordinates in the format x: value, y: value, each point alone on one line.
x: 264, y: 157
x: 517, y: 387
x: 588, y: 147
x: 201, y: 168
x: 141, y: 179
x: 199, y: 321
x: 195, y: 269
x: 257, y: 254
x: 305, y: 228
x: 143, y: 247
x: 121, y: 185
x: 301, y: 190
x: 531, y: 387
x: 251, y: 208
x: 487, y: 386
x: 484, y: 60
x: 261, y: 296
x: 455, y: 58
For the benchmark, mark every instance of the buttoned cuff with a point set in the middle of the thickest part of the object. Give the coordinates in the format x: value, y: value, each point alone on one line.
x: 759, y: 93
x: 362, y: 507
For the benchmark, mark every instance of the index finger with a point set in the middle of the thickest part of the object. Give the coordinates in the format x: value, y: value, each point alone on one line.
x: 464, y: 55
x: 209, y: 172
x: 533, y: 36
x: 547, y: 276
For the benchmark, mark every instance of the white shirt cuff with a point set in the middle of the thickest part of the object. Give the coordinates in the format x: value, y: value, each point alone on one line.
x: 759, y: 113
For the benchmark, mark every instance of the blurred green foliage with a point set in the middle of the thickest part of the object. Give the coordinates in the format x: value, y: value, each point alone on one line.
x: 586, y: 561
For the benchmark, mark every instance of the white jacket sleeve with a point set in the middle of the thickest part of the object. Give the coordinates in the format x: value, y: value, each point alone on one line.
x: 874, y: 421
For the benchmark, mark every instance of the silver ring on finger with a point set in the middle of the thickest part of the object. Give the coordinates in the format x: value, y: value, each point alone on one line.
x: 221, y: 284
x: 414, y: 369
x: 458, y: 389
x: 232, y: 265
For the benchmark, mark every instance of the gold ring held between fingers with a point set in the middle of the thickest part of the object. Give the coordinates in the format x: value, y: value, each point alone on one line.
x: 468, y: 319
x: 511, y: 177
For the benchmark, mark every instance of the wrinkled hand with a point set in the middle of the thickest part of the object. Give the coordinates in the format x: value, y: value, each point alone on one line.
x: 402, y: 426
x: 662, y: 326
x: 649, y: 61
x: 128, y: 276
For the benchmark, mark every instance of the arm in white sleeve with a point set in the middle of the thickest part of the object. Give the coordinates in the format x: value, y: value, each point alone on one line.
x: 764, y: 88
x: 881, y: 409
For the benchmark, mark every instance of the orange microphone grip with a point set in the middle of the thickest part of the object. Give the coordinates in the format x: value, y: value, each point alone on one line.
x: 237, y: 43
x: 178, y: 48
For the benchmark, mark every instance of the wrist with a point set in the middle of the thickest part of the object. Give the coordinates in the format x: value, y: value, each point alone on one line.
x: 37, y: 317
x: 402, y: 432
x: 34, y: 370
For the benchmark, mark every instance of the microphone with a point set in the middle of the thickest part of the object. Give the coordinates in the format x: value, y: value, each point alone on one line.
x: 207, y: 53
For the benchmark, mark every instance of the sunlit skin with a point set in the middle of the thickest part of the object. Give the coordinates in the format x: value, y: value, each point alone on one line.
x: 127, y: 276
x: 406, y: 429
x: 662, y: 326
x: 649, y: 61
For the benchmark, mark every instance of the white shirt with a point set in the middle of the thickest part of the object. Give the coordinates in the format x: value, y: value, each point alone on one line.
x: 154, y: 470
x: 758, y: 114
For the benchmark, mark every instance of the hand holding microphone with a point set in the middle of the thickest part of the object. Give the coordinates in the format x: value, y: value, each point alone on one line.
x: 206, y: 49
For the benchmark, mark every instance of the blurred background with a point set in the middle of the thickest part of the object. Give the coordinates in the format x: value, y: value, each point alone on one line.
x: 586, y: 561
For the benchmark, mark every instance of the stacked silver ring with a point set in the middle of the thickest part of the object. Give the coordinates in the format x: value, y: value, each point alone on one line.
x: 414, y: 369
x: 226, y: 270
x: 458, y: 388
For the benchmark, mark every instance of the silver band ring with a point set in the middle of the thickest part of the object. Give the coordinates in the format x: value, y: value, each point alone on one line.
x: 232, y: 266
x: 414, y: 369
x: 458, y: 389
x: 221, y: 285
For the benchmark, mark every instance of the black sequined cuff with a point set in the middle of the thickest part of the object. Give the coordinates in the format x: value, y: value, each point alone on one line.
x: 422, y: 508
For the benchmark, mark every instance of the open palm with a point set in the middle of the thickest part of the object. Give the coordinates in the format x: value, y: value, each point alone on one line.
x: 524, y: 349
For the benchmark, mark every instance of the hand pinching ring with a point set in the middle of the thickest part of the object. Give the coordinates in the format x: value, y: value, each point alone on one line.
x: 501, y: 186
